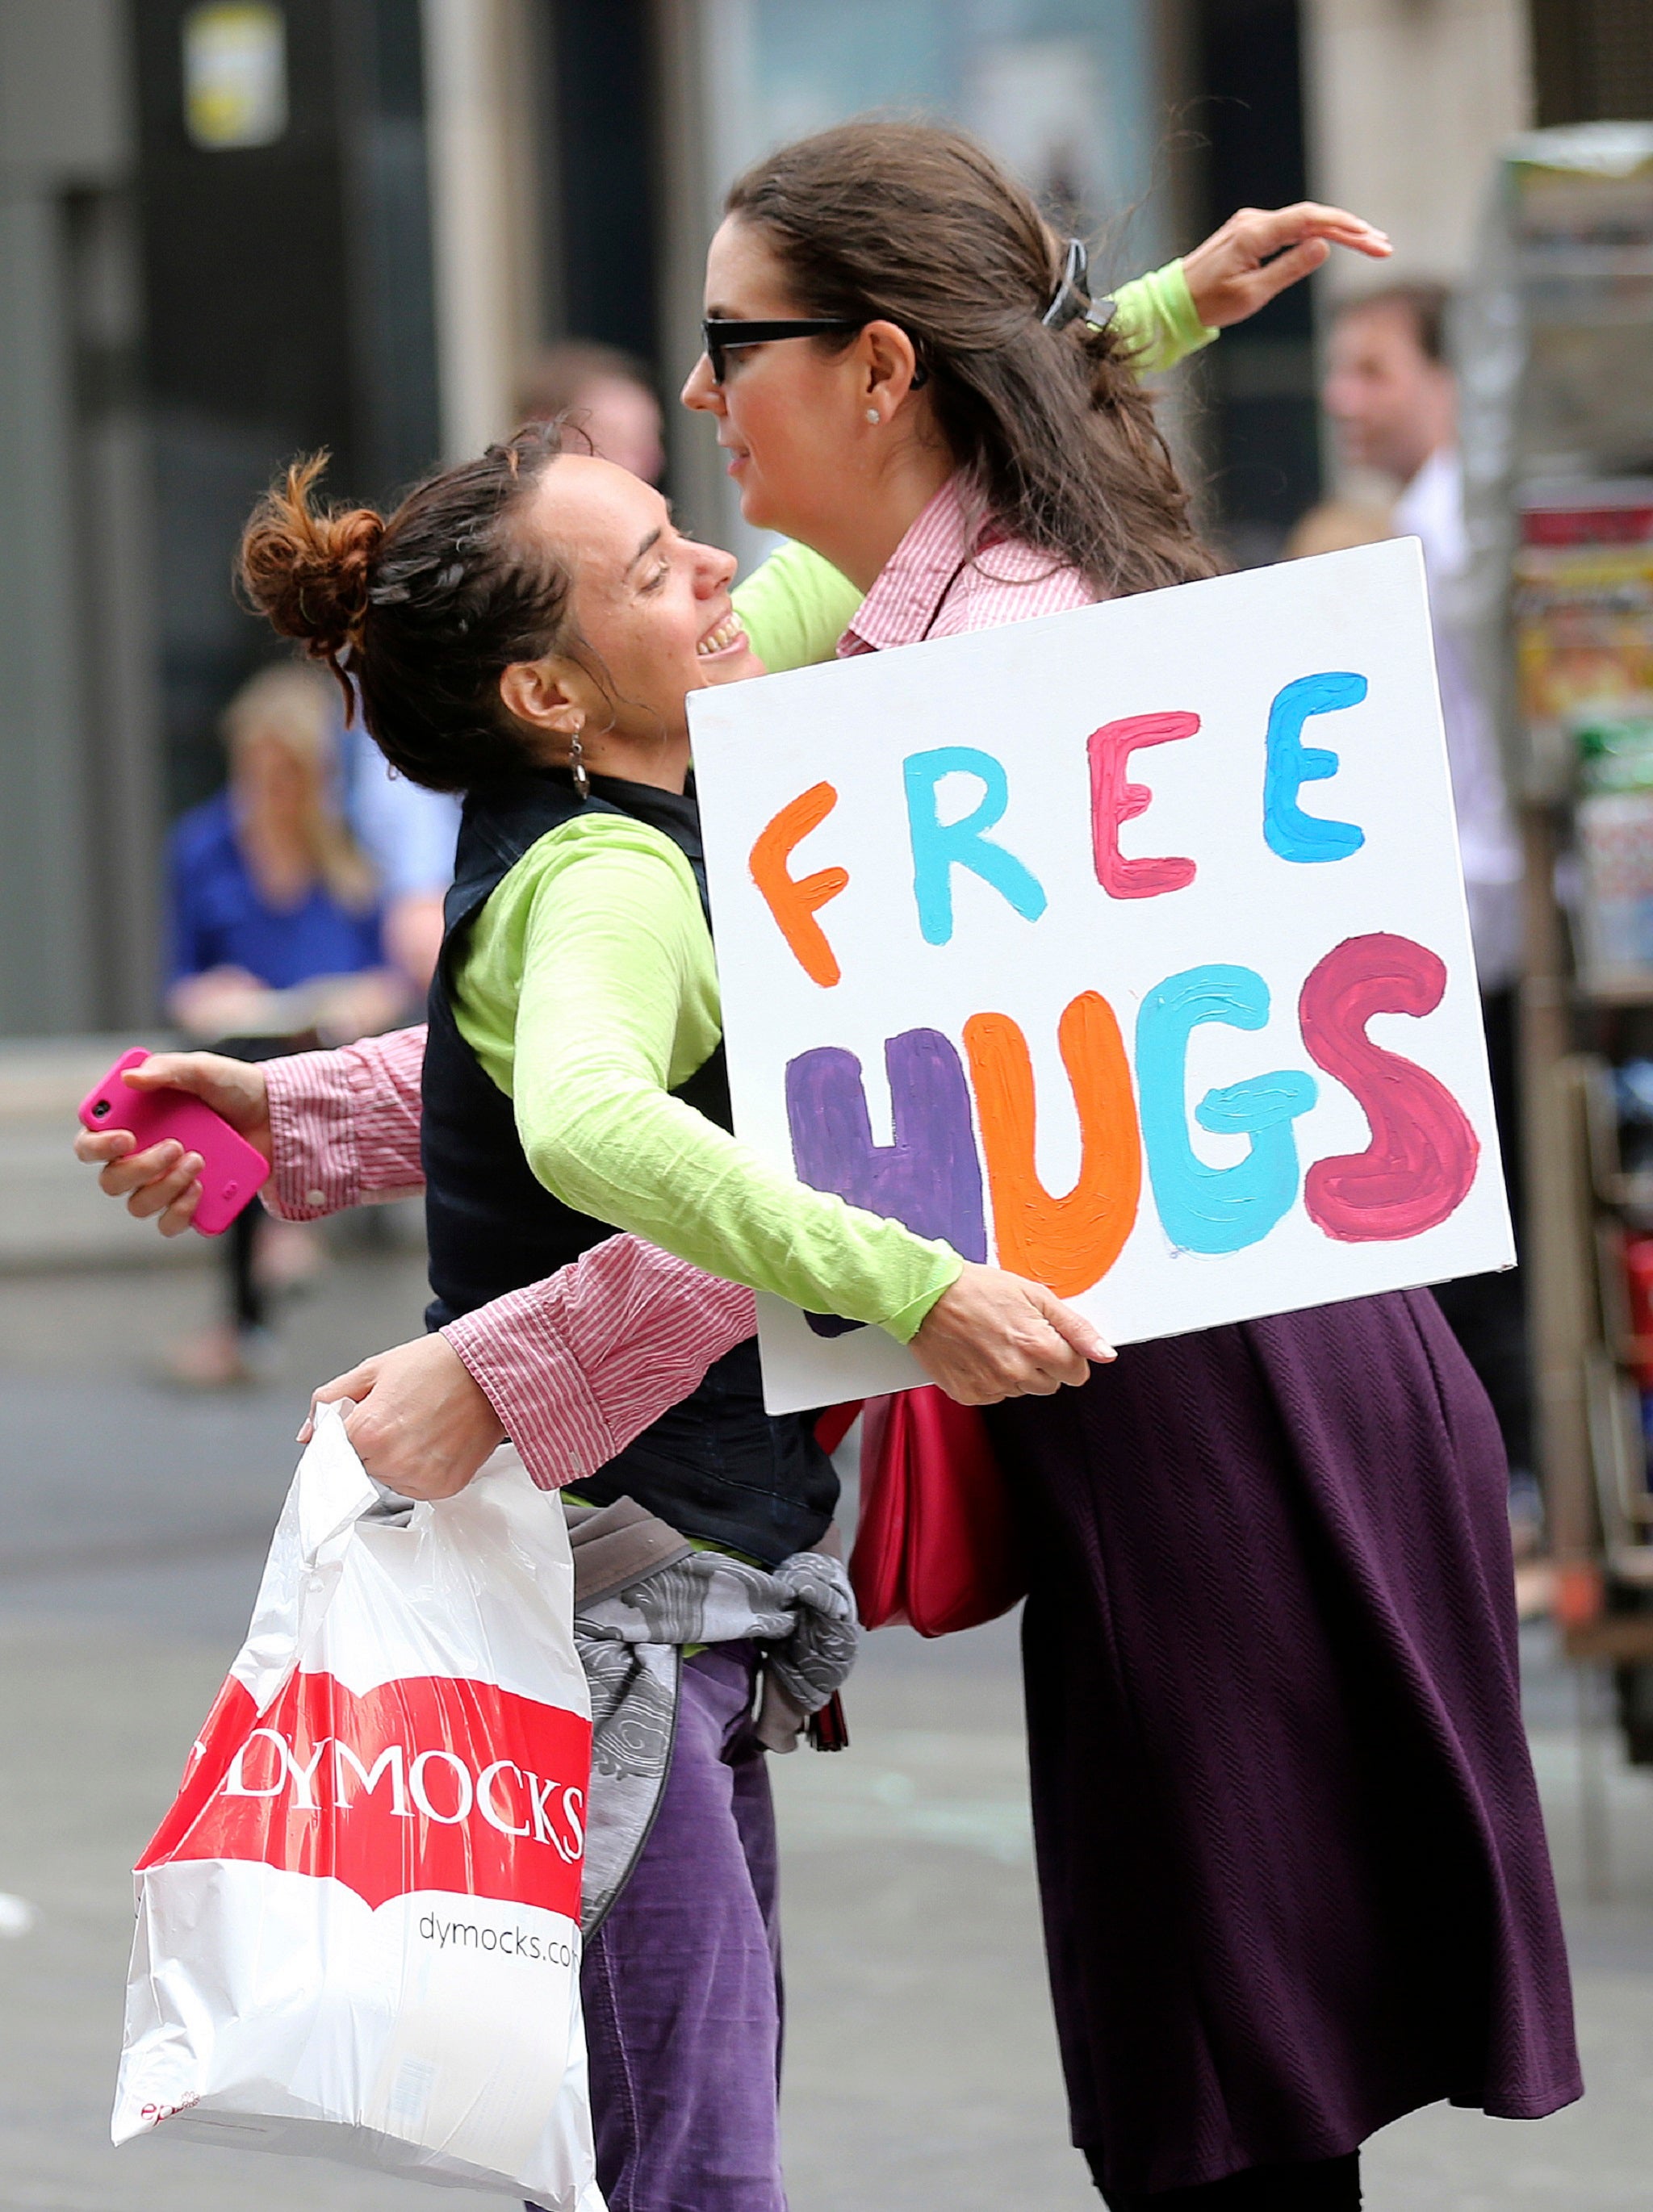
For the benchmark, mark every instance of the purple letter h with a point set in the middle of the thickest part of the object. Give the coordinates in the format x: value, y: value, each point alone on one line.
x: 930, y: 1178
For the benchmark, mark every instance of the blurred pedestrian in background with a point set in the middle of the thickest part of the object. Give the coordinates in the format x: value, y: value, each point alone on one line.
x: 1391, y: 391
x: 608, y: 396
x: 276, y: 939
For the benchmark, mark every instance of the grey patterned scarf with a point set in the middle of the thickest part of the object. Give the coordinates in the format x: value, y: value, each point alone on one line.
x: 640, y: 1593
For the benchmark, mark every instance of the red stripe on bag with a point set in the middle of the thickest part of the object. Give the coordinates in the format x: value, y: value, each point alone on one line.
x: 423, y: 1783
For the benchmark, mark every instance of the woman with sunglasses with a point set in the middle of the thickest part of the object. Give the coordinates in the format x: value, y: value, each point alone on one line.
x: 796, y: 606
x: 1294, y: 1874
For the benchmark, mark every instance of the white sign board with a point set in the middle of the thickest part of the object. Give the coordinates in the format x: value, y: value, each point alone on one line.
x: 1127, y: 946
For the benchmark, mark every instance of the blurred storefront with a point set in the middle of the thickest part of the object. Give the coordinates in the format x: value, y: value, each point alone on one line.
x: 231, y: 233
x: 214, y: 252
x: 1556, y: 336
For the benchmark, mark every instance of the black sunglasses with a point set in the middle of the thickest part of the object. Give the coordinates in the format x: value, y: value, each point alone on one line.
x: 721, y: 337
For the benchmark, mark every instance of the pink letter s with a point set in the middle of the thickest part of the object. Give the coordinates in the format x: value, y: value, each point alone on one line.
x: 1421, y: 1160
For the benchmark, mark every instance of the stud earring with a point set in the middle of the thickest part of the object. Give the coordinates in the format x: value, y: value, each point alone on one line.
x: 577, y: 767
x: 873, y: 415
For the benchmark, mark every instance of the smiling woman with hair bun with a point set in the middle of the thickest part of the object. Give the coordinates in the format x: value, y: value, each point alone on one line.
x: 526, y: 629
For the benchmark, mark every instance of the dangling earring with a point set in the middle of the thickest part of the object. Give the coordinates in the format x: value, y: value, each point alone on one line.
x: 577, y: 767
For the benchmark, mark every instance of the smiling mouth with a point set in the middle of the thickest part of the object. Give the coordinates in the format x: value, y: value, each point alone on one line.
x: 728, y: 635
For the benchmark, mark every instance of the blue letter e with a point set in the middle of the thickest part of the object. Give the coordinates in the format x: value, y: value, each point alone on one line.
x: 939, y: 847
x: 1203, y: 1208
x: 1293, y: 834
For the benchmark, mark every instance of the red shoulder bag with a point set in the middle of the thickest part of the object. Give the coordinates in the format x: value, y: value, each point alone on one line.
x: 937, y: 1544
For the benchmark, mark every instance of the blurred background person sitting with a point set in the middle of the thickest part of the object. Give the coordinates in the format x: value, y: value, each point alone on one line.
x: 276, y: 942
x: 606, y: 393
x: 1390, y: 392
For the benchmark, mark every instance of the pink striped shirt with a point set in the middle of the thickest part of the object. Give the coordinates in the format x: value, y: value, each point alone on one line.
x: 942, y: 580
x: 577, y: 1366
x: 574, y: 1366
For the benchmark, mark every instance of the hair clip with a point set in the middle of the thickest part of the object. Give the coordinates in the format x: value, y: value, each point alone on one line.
x: 1072, y: 299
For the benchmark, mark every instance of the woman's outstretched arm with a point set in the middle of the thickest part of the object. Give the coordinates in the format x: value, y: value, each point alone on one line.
x: 339, y: 1129
x: 344, y: 1126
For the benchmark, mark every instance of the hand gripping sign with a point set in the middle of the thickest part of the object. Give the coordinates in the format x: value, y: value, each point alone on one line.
x: 358, y: 1926
x: 1127, y: 945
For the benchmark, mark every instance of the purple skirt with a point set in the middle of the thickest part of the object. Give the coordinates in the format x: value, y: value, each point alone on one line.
x: 1293, y: 1863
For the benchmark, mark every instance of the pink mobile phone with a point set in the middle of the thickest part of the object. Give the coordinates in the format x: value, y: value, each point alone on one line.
x: 232, y: 1174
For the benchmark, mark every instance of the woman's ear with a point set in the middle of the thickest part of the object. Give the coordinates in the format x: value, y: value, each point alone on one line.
x: 891, y: 366
x: 544, y: 694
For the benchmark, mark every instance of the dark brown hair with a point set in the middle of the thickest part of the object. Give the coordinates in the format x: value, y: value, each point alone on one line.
x: 918, y: 225
x: 1423, y: 304
x: 422, y: 611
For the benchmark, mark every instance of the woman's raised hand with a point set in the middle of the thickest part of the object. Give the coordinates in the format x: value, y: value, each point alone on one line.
x: 991, y: 1335
x: 1263, y: 251
x: 163, y: 1182
x: 420, y: 1424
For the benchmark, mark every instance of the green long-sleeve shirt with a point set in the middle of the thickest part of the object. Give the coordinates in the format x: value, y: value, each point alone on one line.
x: 589, y: 991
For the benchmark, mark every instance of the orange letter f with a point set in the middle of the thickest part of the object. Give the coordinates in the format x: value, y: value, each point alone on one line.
x: 793, y: 902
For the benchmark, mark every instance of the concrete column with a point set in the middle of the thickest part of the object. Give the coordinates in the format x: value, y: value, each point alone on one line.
x: 689, y: 209
x: 46, y: 977
x: 78, y: 764
x: 1408, y: 100
x: 478, y: 90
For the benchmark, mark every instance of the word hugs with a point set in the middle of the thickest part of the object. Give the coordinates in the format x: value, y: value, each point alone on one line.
x: 1414, y: 1173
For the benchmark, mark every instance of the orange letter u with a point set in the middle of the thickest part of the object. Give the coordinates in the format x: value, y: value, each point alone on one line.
x: 1067, y: 1242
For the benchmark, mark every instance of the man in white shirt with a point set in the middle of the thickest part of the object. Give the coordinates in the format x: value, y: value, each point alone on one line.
x: 1391, y: 391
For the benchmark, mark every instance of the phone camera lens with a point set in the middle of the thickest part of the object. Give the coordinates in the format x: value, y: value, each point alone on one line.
x: 100, y: 1108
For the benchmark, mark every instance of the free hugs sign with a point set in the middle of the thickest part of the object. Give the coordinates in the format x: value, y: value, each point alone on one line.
x: 1126, y: 947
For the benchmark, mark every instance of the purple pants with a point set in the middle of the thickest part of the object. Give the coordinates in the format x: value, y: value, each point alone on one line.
x: 682, y: 1982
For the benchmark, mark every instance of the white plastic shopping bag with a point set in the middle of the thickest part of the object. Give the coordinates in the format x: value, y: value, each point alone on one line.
x: 358, y: 1927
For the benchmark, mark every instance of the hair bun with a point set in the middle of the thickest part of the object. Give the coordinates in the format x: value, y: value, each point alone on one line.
x: 308, y: 567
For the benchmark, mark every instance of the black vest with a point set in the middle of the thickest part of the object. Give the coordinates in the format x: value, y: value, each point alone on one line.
x: 716, y: 1466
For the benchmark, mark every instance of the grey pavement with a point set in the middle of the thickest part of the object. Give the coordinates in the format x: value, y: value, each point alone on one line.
x: 922, y: 2067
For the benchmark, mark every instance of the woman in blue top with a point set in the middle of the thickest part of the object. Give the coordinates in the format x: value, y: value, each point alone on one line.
x: 268, y: 888
x: 275, y: 932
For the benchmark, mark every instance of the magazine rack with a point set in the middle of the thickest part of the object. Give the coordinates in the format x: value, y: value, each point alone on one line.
x: 1554, y: 344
